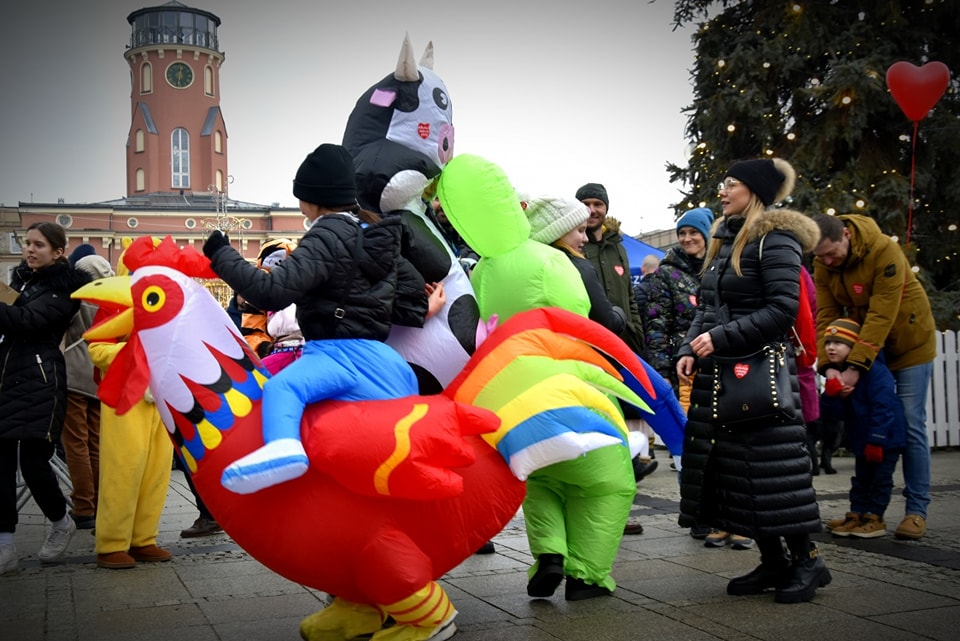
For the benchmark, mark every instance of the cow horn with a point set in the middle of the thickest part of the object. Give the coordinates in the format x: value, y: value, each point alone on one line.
x: 406, y: 65
x: 426, y: 60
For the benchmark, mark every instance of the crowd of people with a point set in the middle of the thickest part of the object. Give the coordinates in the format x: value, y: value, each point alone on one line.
x: 734, y: 282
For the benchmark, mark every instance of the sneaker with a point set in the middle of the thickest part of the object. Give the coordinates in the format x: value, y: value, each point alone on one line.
x: 487, y: 548
x: 8, y: 558
x: 150, y: 554
x: 913, y: 526
x: 85, y: 522
x: 276, y: 462
x: 844, y: 521
x: 115, y: 561
x: 58, y: 538
x: 854, y: 520
x: 871, y: 526
x: 201, y: 527
x: 716, y: 538
x: 644, y: 467
x: 738, y: 542
x: 633, y: 525
x: 579, y: 590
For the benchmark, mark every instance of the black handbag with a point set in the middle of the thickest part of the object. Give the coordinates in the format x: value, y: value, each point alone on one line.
x: 753, y: 391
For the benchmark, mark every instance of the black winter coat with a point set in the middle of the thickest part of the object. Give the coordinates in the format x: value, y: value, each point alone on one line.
x: 754, y: 483
x: 317, y: 273
x: 601, y: 309
x: 33, y: 377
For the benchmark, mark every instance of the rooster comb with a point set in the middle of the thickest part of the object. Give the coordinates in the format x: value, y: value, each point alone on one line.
x: 149, y: 251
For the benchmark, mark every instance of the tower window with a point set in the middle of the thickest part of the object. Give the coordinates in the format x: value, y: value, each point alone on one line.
x: 218, y: 142
x: 180, y: 158
x: 141, y: 180
x: 139, y: 141
x: 146, y: 78
x: 208, y: 80
x: 219, y: 180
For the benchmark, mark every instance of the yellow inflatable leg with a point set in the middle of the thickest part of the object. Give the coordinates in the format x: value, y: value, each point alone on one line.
x: 340, y: 621
x: 425, y: 614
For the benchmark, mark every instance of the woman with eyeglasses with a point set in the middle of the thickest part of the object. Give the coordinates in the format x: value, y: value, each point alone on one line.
x: 754, y: 482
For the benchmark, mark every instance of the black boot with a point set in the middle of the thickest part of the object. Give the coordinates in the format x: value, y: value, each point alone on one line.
x: 806, y: 575
x: 773, y: 571
x: 548, y: 576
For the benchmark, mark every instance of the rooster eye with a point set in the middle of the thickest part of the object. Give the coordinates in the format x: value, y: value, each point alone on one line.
x: 153, y: 298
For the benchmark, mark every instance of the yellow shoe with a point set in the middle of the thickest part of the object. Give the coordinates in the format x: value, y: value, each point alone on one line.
x: 341, y: 620
x: 913, y: 527
x: 871, y: 526
x: 852, y: 521
x: 844, y: 520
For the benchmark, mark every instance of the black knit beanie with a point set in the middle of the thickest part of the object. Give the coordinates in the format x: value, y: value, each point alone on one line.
x: 593, y: 190
x: 760, y: 176
x: 82, y: 250
x: 326, y: 177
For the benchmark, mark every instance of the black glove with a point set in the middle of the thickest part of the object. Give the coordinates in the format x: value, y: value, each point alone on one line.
x: 216, y: 240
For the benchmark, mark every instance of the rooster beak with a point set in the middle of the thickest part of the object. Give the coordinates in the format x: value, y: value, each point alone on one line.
x: 111, y: 294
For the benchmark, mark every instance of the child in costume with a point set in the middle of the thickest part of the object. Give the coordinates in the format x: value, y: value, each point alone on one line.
x: 135, y: 457
x: 344, y: 280
x: 876, y: 428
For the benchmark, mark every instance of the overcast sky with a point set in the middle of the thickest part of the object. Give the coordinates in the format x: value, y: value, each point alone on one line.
x: 558, y: 94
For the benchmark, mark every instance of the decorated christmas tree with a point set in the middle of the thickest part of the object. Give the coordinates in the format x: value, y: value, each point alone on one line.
x: 807, y: 81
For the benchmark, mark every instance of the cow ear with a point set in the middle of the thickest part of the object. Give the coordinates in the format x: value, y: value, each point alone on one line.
x: 406, y: 65
x: 426, y: 60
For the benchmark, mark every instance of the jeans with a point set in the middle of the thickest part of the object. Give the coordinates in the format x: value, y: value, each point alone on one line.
x: 872, y: 484
x: 912, y: 386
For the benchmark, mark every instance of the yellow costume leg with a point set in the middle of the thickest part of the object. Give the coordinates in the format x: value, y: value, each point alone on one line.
x: 425, y: 614
x: 341, y: 620
x: 123, y: 446
x: 155, y: 480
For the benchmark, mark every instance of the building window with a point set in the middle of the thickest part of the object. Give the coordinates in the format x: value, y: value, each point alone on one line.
x: 218, y: 142
x: 141, y: 180
x: 139, y: 141
x: 133, y: 223
x: 180, y: 158
x: 190, y: 223
x: 219, y: 180
x: 146, y: 78
x: 65, y: 221
x: 208, y: 80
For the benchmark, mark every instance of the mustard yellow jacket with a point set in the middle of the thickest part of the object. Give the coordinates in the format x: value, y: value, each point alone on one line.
x: 876, y: 288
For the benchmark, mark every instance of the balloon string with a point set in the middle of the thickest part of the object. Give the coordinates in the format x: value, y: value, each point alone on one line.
x: 913, y: 169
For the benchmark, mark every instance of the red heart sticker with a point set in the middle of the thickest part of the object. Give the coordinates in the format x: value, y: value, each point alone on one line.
x: 618, y: 269
x: 857, y: 288
x: 423, y: 130
x: 740, y: 370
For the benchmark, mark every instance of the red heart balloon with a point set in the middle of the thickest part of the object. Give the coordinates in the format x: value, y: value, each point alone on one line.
x: 917, y: 89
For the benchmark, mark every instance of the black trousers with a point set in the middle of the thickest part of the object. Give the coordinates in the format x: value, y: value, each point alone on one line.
x: 35, y: 455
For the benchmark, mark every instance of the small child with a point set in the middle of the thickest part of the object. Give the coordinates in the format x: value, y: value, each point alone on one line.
x: 876, y: 430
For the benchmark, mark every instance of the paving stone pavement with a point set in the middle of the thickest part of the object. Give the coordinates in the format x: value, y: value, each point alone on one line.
x: 670, y: 587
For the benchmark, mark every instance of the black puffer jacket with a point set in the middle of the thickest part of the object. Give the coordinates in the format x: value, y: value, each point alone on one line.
x: 755, y: 483
x: 316, y: 274
x: 33, y: 378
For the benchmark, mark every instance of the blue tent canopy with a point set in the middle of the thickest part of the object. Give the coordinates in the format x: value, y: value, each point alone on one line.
x: 637, y: 250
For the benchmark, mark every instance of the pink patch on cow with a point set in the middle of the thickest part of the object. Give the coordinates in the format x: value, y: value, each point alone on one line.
x: 857, y: 288
x: 618, y: 269
x: 383, y: 97
x: 740, y: 370
x: 423, y: 130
